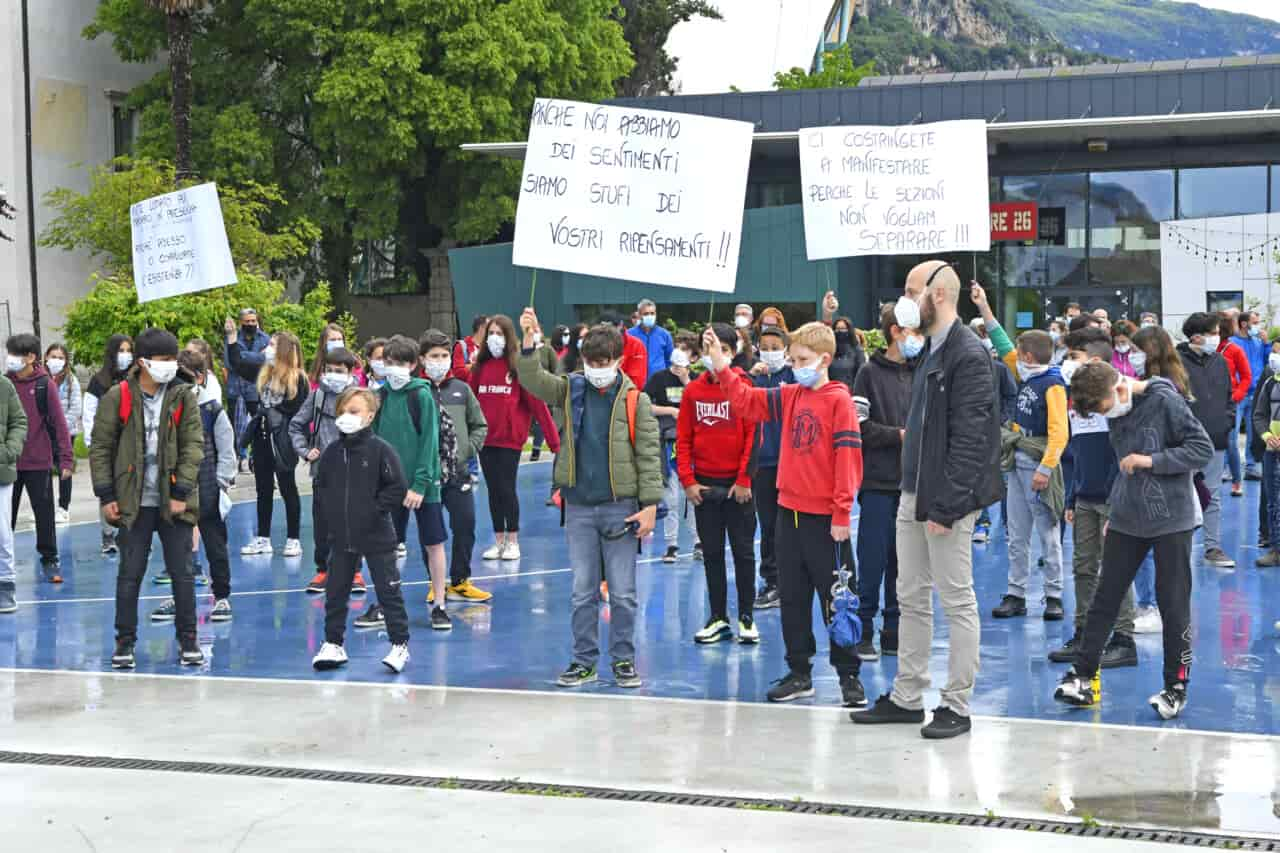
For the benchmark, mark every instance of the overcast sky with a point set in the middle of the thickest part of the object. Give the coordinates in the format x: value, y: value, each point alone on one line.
x: 1261, y: 8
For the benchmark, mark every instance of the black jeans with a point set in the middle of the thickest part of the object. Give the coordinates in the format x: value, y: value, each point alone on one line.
x: 386, y: 580
x: 39, y: 486
x: 64, y: 492
x: 764, y: 490
x: 807, y: 564
x: 213, y: 533
x: 878, y: 558
x: 135, y: 550
x: 320, y: 530
x: 500, y: 466
x: 460, y: 502
x: 265, y: 476
x: 536, y: 436
x: 1122, y: 554
x: 715, y: 519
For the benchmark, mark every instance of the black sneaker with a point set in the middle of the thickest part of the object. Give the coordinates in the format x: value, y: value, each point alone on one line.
x: 946, y: 723
x: 1067, y: 652
x: 1010, y: 606
x: 1120, y: 652
x: 697, y: 551
x: 165, y: 612
x: 1053, y: 610
x: 625, y: 675
x: 889, y: 642
x: 1075, y: 690
x: 790, y: 688
x: 109, y: 544
x: 51, y: 570
x: 372, y: 617
x: 122, y: 657
x: 577, y: 675
x: 440, y: 620
x: 535, y: 454
x: 852, y: 693
x: 866, y: 650
x: 162, y: 579
x: 1168, y: 703
x: 672, y: 553
x: 886, y: 711
x: 190, y: 654
x: 768, y: 598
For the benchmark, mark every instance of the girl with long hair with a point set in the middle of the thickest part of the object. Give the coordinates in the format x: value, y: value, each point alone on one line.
x: 282, y: 389
x: 116, y: 360
x: 1160, y: 358
x: 571, y: 361
x: 331, y: 337
x: 58, y: 363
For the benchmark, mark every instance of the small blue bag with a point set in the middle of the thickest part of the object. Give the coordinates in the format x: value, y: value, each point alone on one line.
x: 845, y: 627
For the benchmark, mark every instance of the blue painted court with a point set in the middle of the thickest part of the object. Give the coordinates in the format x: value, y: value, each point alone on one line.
x: 521, y: 641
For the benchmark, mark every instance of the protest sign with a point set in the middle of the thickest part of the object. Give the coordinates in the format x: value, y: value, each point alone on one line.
x: 633, y: 194
x: 180, y: 244
x: 913, y: 190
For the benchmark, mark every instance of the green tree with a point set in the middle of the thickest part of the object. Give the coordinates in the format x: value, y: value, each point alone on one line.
x: 646, y: 24
x: 356, y: 109
x: 838, y: 72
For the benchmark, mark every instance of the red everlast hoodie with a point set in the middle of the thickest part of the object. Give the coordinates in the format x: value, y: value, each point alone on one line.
x: 710, y: 440
x: 820, y: 465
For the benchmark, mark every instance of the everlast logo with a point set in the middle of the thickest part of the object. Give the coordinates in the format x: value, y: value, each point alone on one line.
x: 709, y: 413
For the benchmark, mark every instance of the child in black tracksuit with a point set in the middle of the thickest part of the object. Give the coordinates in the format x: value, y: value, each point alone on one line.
x: 361, y: 484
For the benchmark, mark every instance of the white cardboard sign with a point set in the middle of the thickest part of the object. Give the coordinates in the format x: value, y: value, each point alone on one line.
x: 913, y: 190
x: 643, y: 195
x: 180, y: 244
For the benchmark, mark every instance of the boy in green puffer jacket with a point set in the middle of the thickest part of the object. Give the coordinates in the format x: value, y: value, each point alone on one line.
x: 13, y: 421
x: 148, y: 443
x: 610, y: 472
x: 409, y: 421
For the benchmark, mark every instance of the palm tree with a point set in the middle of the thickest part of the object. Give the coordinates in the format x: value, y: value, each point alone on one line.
x: 178, y: 21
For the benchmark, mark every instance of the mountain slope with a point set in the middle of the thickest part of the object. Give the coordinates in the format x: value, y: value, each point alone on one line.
x: 1154, y: 29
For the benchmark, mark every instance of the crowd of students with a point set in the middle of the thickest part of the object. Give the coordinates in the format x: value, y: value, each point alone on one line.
x: 1104, y: 429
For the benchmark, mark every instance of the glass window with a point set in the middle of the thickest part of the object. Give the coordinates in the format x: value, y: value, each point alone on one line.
x: 773, y: 193
x: 123, y: 130
x: 1224, y: 191
x: 1125, y: 212
x: 1039, y: 264
x: 1275, y: 189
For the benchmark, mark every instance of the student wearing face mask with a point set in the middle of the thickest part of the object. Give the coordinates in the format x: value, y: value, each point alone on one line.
x: 332, y: 337
x: 772, y: 372
x: 1266, y: 424
x: 115, y: 365
x: 882, y: 397
x: 508, y: 409
x: 1241, y: 383
x: 59, y: 367
x: 375, y: 374
x: 1122, y: 332
x: 666, y: 392
x: 1212, y: 405
x: 47, y: 448
x: 1249, y: 336
x: 145, y: 463
x: 1154, y: 507
x: 361, y: 485
x: 610, y: 478
x: 657, y: 340
x: 849, y: 356
x: 249, y: 343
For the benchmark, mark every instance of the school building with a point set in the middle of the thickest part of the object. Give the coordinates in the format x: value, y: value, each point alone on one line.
x: 1104, y: 153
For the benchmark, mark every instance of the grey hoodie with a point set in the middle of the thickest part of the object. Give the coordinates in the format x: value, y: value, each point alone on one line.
x: 318, y: 407
x: 1162, y: 500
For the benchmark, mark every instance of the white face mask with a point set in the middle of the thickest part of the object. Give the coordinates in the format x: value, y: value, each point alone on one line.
x: 775, y: 360
x: 347, y: 423
x: 397, y: 376
x: 708, y: 362
x: 330, y: 346
x: 497, y: 345
x: 1030, y: 371
x: 379, y: 368
x: 741, y: 321
x: 537, y: 338
x: 1273, y: 361
x: 1146, y: 324
x: 987, y: 345
x: 335, y: 382
x: 1138, y: 361
x: 1122, y: 348
x: 14, y: 363
x: 436, y: 368
x: 162, y: 372
x: 601, y: 377
x: 55, y: 365
x: 1123, y: 404
x: 269, y: 355
x: 1068, y: 369
x: 564, y: 340
x: 1210, y: 344
x: 123, y: 360
x: 907, y: 313
x: 679, y: 358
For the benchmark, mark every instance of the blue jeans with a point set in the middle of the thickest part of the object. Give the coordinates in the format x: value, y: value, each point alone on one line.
x: 1030, y: 516
x: 878, y: 558
x: 599, y: 539
x: 1244, y: 412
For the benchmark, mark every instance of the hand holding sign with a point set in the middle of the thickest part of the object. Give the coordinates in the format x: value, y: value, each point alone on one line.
x: 530, y: 326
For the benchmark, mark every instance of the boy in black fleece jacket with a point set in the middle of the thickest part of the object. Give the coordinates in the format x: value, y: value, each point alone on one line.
x: 362, y: 484
x: 882, y: 397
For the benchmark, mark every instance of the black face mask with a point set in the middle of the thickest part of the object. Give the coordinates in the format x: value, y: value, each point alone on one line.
x: 249, y: 331
x: 843, y: 339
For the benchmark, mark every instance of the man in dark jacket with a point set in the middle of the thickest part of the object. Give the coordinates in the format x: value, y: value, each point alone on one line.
x: 242, y: 394
x: 950, y: 470
x: 1211, y: 387
x: 882, y: 396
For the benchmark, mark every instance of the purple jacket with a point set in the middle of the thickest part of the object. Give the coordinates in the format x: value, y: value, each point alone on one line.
x: 37, y: 455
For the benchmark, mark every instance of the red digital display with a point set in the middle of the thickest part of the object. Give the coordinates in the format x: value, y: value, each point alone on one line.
x: 1017, y: 220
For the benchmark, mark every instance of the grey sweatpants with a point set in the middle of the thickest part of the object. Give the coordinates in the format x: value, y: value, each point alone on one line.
x: 1030, y: 516
x: 927, y: 562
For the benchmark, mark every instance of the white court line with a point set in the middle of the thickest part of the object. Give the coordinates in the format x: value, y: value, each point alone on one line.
x: 564, y: 693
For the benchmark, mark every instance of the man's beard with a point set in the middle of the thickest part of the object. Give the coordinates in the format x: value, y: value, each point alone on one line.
x: 927, y: 316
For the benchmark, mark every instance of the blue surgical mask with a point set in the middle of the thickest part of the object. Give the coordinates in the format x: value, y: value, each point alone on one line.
x: 1255, y: 331
x: 648, y: 320
x: 912, y: 345
x: 806, y: 376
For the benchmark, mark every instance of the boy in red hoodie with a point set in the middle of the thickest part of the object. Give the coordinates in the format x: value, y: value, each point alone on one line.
x: 819, y: 470
x: 713, y: 455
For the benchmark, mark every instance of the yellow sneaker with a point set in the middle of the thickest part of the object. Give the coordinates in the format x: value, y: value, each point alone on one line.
x: 431, y: 593
x: 467, y: 591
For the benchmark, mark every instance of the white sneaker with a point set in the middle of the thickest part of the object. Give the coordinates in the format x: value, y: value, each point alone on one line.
x: 330, y: 656
x: 257, y: 545
x: 494, y: 553
x: 61, y: 516
x: 1148, y: 622
x: 401, y: 550
x: 511, y: 551
x: 292, y: 548
x: 221, y: 611
x: 397, y: 657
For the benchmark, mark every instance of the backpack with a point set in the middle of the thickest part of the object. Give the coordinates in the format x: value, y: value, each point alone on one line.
x: 126, y: 405
x: 42, y: 406
x: 447, y: 443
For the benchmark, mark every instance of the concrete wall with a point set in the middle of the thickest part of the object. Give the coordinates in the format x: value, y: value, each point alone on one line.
x: 71, y: 132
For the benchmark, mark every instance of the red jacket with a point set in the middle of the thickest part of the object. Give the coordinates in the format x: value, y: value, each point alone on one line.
x: 635, y: 360
x: 464, y: 352
x: 509, y: 408
x: 1238, y: 367
x: 820, y: 465
x: 710, y: 441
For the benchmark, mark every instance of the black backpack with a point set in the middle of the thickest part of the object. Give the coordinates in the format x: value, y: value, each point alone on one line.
x: 448, y: 438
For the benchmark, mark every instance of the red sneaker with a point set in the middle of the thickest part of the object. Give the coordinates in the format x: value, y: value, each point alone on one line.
x: 357, y: 585
x: 318, y: 582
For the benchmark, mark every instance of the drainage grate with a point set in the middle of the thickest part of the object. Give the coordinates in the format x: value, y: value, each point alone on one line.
x: 519, y: 786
